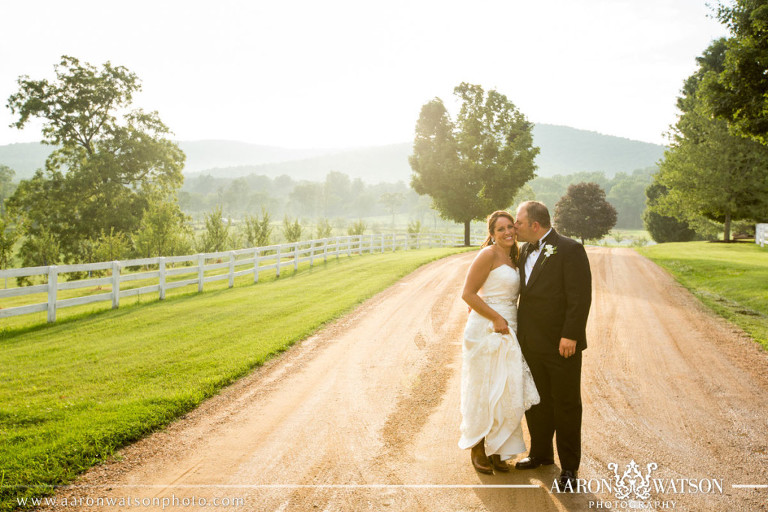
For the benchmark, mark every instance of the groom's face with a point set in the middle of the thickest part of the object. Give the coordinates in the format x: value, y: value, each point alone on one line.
x: 525, y: 232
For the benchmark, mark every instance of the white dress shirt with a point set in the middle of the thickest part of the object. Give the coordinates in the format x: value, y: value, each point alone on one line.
x: 533, y: 256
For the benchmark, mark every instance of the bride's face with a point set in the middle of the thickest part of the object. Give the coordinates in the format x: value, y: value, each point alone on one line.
x: 504, y: 232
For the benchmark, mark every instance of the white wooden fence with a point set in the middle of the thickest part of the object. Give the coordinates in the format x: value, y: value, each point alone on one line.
x: 238, y: 263
x: 761, y: 234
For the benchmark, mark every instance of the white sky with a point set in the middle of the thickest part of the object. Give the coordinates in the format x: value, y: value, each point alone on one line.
x: 335, y: 73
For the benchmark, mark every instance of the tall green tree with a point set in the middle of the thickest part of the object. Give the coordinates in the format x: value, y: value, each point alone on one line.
x: 708, y: 171
x: 584, y: 213
x: 109, y: 159
x: 738, y: 92
x: 476, y: 165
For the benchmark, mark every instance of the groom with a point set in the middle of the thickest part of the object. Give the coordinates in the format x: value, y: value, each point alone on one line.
x: 555, y: 295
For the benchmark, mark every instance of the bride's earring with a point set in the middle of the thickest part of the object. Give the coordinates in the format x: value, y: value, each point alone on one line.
x: 493, y: 241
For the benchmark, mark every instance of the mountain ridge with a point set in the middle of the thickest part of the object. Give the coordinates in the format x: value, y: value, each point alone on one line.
x: 564, y: 150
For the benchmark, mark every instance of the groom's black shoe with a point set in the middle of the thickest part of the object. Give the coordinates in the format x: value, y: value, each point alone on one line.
x: 567, y: 481
x: 532, y: 462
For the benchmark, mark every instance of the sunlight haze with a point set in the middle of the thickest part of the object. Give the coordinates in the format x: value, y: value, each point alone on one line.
x: 348, y: 73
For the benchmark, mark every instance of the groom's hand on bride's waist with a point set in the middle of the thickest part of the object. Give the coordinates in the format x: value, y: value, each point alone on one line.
x: 567, y: 347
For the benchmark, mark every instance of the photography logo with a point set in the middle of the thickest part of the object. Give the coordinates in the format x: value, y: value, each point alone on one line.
x: 632, y: 484
x: 636, y: 487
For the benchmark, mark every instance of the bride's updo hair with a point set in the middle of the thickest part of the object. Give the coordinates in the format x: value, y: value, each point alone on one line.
x: 492, y: 218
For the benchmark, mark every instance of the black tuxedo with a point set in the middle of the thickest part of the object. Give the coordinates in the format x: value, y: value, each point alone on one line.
x: 555, y: 304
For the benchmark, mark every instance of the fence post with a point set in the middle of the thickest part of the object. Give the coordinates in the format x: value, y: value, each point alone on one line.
x: 115, y: 284
x: 200, y: 272
x: 325, y: 250
x: 256, y: 265
x: 296, y: 256
x: 53, y: 280
x: 278, y: 260
x: 161, y: 280
x: 382, y: 243
x: 312, y: 254
x: 231, y: 269
x: 338, y: 247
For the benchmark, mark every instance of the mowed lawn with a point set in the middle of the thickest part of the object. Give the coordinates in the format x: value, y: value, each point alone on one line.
x: 732, y: 279
x: 74, y: 391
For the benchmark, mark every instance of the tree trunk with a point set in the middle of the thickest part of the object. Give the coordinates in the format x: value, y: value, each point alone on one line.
x: 727, y: 228
x: 466, y: 233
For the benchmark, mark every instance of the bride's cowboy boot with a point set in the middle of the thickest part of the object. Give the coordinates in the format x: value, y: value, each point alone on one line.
x: 480, y: 459
x: 498, y: 464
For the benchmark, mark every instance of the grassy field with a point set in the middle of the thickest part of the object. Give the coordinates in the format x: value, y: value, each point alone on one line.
x: 732, y: 279
x: 74, y: 391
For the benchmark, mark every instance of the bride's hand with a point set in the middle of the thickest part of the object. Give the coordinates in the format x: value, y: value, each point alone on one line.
x: 500, y: 325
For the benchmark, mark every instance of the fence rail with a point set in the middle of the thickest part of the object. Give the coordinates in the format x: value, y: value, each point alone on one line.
x: 761, y: 234
x: 241, y: 262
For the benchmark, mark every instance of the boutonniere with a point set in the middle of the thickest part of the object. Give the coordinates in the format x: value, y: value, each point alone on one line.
x: 549, y: 250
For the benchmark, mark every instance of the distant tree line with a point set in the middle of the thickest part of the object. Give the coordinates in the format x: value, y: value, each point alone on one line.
x: 335, y: 197
x: 624, y: 191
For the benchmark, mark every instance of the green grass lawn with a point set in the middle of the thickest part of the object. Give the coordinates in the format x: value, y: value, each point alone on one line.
x: 74, y: 391
x: 732, y: 279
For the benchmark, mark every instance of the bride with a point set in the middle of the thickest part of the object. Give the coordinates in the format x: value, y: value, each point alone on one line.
x: 496, y: 384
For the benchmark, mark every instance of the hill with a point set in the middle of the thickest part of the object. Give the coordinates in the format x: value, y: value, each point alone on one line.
x: 564, y: 150
x: 24, y: 157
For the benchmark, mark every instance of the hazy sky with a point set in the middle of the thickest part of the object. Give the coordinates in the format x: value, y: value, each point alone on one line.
x: 334, y: 73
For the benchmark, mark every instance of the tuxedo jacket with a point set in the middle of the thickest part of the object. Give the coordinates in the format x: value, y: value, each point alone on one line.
x: 555, y: 302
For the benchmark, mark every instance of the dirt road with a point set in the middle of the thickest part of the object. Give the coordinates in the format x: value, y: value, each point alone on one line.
x: 365, y: 415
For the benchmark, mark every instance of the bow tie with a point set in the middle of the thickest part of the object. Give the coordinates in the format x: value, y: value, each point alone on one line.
x: 534, y: 246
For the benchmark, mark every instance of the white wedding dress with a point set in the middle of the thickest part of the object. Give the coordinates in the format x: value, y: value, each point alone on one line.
x: 496, y: 383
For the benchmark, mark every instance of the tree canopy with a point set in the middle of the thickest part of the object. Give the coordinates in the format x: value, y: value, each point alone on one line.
x: 738, y: 92
x: 474, y: 166
x: 584, y: 213
x: 109, y: 163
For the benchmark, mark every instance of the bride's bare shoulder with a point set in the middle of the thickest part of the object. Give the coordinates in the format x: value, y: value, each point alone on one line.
x: 485, y: 252
x: 485, y: 256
